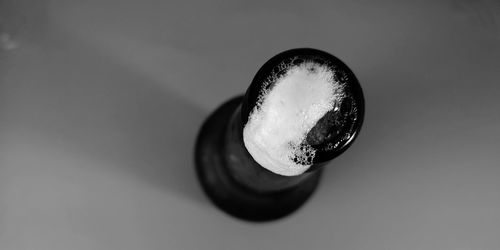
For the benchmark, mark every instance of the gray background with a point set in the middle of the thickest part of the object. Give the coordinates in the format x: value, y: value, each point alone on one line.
x: 102, y: 99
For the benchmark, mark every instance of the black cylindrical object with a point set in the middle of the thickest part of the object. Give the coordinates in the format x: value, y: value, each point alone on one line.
x: 231, y: 177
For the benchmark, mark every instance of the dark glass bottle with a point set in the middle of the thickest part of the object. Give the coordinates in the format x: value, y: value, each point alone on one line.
x: 235, y: 182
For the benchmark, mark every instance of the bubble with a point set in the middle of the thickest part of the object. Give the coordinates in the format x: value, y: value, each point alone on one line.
x: 296, y: 94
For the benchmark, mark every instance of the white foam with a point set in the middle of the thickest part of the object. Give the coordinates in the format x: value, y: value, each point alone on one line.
x: 275, y: 129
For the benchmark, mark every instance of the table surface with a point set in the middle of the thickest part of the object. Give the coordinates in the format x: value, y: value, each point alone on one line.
x: 101, y: 100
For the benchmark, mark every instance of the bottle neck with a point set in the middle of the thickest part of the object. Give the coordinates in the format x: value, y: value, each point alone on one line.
x: 245, y: 170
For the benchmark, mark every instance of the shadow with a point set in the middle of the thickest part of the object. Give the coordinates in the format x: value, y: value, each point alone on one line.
x: 85, y: 103
x: 22, y: 18
x: 483, y: 13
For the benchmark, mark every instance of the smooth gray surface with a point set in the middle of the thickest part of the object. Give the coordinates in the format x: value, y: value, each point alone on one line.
x: 101, y: 101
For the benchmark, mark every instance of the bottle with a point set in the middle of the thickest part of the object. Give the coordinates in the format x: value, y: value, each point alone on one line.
x: 260, y: 156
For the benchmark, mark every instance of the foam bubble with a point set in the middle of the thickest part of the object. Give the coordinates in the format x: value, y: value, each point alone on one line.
x: 276, y: 128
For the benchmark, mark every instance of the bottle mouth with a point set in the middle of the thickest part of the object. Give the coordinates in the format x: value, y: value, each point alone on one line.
x: 304, y: 107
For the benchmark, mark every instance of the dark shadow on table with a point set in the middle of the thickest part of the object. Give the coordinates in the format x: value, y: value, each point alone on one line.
x: 85, y: 102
